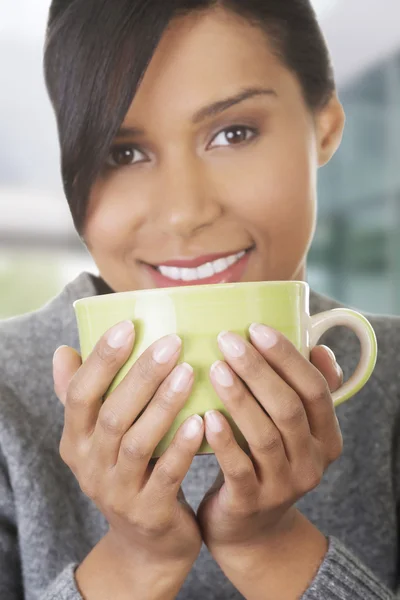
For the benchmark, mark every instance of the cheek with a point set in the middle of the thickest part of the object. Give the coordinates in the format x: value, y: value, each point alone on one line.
x: 113, y: 215
x: 275, y: 191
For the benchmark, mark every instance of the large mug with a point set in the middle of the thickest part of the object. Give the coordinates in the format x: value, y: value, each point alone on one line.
x: 197, y: 314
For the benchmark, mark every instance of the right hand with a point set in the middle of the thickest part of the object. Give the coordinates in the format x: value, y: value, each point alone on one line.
x: 142, y: 501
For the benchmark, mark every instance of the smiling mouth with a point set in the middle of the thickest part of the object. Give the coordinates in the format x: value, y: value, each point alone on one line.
x: 202, y: 270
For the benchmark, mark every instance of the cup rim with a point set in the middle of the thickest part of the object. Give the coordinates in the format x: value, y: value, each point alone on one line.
x: 188, y: 289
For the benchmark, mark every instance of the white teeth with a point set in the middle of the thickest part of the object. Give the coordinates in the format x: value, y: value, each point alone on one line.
x: 189, y: 274
x: 203, y: 271
x: 171, y: 272
x: 220, y: 265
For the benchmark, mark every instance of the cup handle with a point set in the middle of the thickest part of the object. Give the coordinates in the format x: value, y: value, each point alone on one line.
x: 321, y: 322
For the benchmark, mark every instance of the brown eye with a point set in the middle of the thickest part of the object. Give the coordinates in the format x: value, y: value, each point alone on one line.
x: 122, y: 156
x: 233, y: 136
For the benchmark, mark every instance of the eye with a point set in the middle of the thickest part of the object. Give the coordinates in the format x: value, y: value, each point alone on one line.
x: 233, y: 136
x: 123, y: 156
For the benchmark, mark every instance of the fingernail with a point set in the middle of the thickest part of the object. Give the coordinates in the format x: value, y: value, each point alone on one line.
x: 231, y: 344
x: 55, y: 355
x: 166, y: 349
x: 120, y: 334
x: 192, y: 426
x: 331, y: 354
x: 264, y: 336
x: 339, y: 371
x: 213, y: 421
x: 181, y: 377
x: 222, y: 374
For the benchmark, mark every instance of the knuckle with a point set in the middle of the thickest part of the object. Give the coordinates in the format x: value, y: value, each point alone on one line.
x: 149, y: 518
x: 310, y: 479
x: 105, y: 354
x: 65, y: 451
x: 110, y: 422
x: 314, y: 479
x: 254, y: 366
x: 180, y: 446
x: 145, y: 369
x: 241, y: 473
x: 335, y: 449
x: 320, y: 392
x: 226, y: 443
x: 75, y: 395
x: 154, y: 528
x: 289, y: 360
x: 282, y: 495
x: 167, y: 473
x: 269, y: 443
x: 164, y: 401
x: 243, y: 507
x: 133, y: 449
x: 294, y: 415
x: 118, y: 504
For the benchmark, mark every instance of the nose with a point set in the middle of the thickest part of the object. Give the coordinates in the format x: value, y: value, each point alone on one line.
x: 187, y: 201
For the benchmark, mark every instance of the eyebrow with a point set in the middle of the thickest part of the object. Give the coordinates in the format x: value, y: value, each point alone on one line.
x: 218, y: 107
x: 208, y: 111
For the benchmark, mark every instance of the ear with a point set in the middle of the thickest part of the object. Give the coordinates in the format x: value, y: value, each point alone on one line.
x: 329, y: 122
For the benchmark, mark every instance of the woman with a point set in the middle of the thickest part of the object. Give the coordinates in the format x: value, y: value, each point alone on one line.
x: 191, y: 133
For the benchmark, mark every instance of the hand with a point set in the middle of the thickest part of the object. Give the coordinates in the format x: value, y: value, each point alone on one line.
x: 282, y: 404
x: 110, y: 457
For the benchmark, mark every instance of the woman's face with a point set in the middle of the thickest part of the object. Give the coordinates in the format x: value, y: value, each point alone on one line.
x: 217, y: 156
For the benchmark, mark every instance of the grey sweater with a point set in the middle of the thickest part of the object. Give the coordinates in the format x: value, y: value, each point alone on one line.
x: 48, y: 526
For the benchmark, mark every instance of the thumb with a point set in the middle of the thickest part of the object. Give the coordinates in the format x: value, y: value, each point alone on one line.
x: 66, y: 362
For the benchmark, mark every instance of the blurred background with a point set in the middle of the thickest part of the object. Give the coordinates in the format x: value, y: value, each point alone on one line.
x: 356, y: 253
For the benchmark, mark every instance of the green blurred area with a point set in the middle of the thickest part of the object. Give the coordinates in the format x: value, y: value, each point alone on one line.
x: 27, y: 282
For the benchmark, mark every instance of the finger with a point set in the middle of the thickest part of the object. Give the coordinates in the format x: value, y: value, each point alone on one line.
x: 305, y: 379
x: 264, y: 438
x: 171, y: 469
x: 129, y: 399
x: 91, y: 381
x: 324, y: 360
x: 66, y: 362
x: 279, y: 400
x: 138, y: 444
x: 241, y: 482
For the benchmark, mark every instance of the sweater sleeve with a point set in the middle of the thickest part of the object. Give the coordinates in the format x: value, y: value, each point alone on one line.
x: 10, y: 571
x: 11, y: 580
x: 342, y: 576
x: 64, y: 586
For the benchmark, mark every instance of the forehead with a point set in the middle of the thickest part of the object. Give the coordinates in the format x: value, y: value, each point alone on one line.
x: 201, y: 58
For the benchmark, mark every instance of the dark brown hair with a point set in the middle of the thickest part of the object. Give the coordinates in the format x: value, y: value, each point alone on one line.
x: 97, y: 52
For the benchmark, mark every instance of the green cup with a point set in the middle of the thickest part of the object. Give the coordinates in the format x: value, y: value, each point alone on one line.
x: 199, y: 313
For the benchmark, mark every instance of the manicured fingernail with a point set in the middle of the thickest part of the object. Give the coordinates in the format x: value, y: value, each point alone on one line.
x: 331, y: 354
x: 213, y: 421
x: 231, y: 344
x: 55, y: 359
x: 339, y: 371
x: 120, y: 334
x: 264, y: 336
x: 222, y: 374
x: 192, y: 426
x: 181, y: 377
x: 166, y: 348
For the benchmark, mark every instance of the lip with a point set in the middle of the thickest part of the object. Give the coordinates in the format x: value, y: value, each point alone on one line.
x: 232, y: 274
x: 193, y: 263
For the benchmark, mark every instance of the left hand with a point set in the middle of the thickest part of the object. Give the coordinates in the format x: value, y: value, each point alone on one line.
x: 282, y: 404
